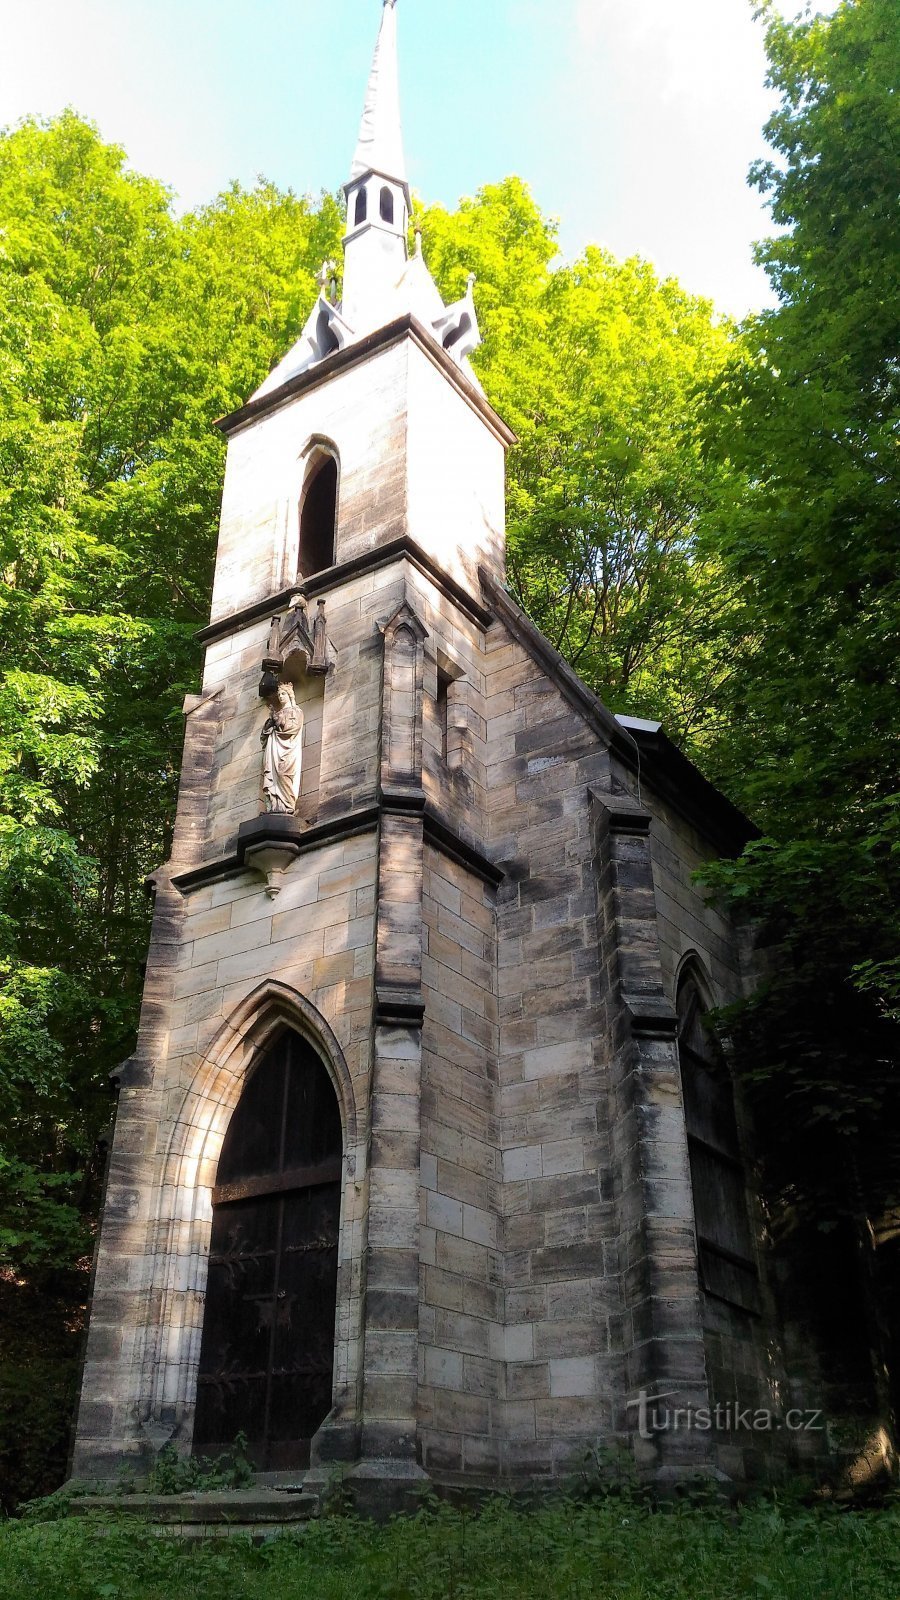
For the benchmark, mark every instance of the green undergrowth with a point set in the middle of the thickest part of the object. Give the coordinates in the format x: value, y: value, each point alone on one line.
x: 178, y: 1474
x: 613, y: 1549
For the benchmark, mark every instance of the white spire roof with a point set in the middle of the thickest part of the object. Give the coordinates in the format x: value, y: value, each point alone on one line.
x: 380, y: 283
x: 380, y: 144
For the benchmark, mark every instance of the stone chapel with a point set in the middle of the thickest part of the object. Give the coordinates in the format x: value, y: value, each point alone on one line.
x: 425, y: 1165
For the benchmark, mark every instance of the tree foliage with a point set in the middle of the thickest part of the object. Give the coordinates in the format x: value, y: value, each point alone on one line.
x: 602, y: 369
x: 810, y: 545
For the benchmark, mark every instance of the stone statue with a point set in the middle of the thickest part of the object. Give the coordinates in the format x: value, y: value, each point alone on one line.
x: 282, y: 742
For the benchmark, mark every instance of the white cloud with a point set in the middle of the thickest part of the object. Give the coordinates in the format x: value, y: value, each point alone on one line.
x: 664, y: 103
x: 634, y: 120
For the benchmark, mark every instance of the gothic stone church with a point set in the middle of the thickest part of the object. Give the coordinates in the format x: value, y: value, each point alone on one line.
x: 424, y: 1163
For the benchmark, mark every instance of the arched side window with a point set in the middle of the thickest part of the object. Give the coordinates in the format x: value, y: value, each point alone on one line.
x: 386, y: 205
x: 318, y: 515
x: 267, y: 1352
x: 724, y: 1237
x: 361, y: 209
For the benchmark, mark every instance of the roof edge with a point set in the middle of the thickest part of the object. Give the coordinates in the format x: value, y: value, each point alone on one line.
x: 644, y: 749
x: 676, y: 778
x: 405, y: 327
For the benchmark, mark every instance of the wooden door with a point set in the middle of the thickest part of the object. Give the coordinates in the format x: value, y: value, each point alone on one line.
x: 267, y: 1352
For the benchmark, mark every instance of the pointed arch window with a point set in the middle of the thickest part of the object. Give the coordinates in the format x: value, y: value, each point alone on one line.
x: 361, y: 208
x: 267, y: 1352
x: 725, y: 1245
x: 386, y: 205
x: 318, y: 515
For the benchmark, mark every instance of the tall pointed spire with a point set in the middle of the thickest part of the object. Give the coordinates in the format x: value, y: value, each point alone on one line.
x: 380, y: 144
x: 381, y: 283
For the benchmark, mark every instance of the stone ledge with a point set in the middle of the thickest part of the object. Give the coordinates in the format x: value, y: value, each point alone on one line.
x: 404, y: 327
x: 651, y: 1016
x: 270, y: 827
x: 441, y: 836
x: 212, y: 1509
x: 404, y: 547
x: 284, y: 830
x: 400, y: 1008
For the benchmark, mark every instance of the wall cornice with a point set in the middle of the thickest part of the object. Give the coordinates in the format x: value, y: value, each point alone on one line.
x: 406, y: 327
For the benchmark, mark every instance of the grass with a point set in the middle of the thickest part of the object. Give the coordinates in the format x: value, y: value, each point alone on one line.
x: 608, y: 1549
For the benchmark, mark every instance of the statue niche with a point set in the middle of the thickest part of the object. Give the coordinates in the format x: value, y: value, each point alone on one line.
x: 296, y: 655
x: 294, y: 651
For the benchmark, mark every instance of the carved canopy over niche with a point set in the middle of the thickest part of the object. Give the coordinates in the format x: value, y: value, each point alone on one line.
x: 295, y: 647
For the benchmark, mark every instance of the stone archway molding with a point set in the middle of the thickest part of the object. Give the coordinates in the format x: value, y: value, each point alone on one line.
x: 179, y: 1241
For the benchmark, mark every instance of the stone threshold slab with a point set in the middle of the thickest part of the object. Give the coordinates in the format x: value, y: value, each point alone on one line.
x: 236, y: 1509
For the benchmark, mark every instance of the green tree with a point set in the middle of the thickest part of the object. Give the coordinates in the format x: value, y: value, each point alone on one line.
x: 602, y: 369
x: 810, y: 546
x: 123, y: 333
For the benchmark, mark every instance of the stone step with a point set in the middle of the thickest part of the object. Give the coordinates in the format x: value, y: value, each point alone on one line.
x: 257, y: 1513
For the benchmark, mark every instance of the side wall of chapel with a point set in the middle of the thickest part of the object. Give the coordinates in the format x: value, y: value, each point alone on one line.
x: 744, y: 1352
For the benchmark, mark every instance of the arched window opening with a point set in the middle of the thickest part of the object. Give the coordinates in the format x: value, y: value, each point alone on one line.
x: 387, y: 205
x: 724, y: 1236
x: 361, y: 209
x: 318, y: 516
x: 267, y: 1353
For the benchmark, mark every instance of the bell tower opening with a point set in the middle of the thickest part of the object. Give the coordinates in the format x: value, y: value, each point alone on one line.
x: 318, y: 516
x: 267, y: 1352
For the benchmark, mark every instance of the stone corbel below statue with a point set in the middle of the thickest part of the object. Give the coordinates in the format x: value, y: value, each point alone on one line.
x: 294, y: 651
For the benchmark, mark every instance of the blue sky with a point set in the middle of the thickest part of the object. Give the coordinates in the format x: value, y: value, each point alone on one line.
x: 634, y: 121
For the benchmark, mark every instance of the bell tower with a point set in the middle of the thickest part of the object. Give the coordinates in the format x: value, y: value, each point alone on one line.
x: 333, y: 760
x: 381, y: 385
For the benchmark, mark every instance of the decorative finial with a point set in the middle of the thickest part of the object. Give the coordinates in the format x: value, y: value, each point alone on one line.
x: 325, y: 276
x: 418, y: 232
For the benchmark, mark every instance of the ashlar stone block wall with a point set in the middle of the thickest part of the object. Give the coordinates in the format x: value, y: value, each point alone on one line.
x: 481, y: 935
x: 416, y: 457
x: 745, y: 1363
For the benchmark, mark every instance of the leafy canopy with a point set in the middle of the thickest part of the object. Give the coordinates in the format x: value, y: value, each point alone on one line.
x: 810, y: 547
x: 123, y: 333
x: 602, y: 369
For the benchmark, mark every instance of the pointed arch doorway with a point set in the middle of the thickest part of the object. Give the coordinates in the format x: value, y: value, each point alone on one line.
x: 267, y: 1350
